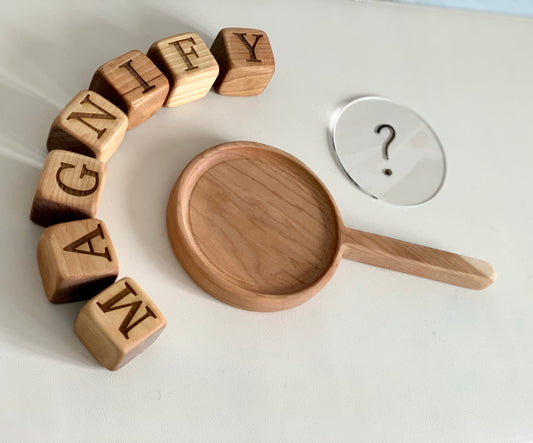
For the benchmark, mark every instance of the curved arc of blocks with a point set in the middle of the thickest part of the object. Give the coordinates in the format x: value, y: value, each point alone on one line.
x: 76, y: 257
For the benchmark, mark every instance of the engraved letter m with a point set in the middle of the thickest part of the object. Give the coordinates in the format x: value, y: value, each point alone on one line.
x: 111, y: 305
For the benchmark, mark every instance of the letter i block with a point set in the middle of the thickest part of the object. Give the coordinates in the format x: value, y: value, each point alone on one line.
x: 119, y: 323
x: 69, y: 188
x: 188, y: 64
x: 89, y: 125
x: 245, y: 59
x: 134, y: 84
x: 77, y: 260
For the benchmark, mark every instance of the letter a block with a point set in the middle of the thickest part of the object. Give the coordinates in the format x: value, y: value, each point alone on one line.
x: 89, y: 125
x: 69, y: 188
x: 245, y: 59
x: 188, y: 64
x: 77, y: 260
x: 133, y: 83
x: 119, y: 323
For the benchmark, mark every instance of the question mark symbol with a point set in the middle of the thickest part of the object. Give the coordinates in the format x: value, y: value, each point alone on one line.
x: 386, y: 143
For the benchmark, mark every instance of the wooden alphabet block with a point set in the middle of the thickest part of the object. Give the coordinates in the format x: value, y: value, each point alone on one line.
x: 188, y: 64
x: 90, y: 125
x: 133, y: 83
x: 76, y: 260
x: 245, y: 59
x: 69, y: 188
x: 119, y: 323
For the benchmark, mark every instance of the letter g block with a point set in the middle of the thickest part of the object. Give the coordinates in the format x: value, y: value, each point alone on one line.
x: 69, y: 188
x: 188, y: 64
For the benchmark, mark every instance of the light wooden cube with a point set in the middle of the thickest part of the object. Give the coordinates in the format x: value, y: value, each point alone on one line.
x: 69, y: 188
x: 90, y: 125
x: 188, y: 64
x: 77, y: 260
x: 133, y: 83
x: 119, y: 323
x: 246, y: 61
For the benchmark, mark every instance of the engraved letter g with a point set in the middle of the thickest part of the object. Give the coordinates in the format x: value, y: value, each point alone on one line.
x: 77, y: 192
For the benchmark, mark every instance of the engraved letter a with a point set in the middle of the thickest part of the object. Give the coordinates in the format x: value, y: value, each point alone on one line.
x: 73, y: 247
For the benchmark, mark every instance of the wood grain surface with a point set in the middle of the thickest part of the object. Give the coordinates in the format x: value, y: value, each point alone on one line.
x: 90, y: 125
x: 418, y: 260
x: 77, y: 260
x: 246, y: 61
x: 132, y: 82
x: 69, y: 188
x: 254, y: 227
x: 188, y: 64
x: 119, y: 323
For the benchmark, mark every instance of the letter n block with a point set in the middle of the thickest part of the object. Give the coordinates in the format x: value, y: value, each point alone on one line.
x: 69, y: 188
x: 133, y: 83
x: 90, y: 125
x: 188, y: 64
x: 119, y: 323
x: 77, y: 260
x: 245, y: 59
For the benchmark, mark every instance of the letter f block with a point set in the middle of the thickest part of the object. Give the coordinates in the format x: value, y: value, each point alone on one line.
x: 188, y: 64
x: 69, y: 188
x: 90, y: 125
x: 245, y: 59
x: 119, y: 323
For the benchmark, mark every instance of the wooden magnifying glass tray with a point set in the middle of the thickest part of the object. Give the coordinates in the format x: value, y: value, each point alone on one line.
x: 255, y: 228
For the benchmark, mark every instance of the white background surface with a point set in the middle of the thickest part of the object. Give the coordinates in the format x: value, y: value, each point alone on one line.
x: 376, y: 355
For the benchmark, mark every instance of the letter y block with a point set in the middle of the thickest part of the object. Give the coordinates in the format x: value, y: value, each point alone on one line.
x: 245, y: 59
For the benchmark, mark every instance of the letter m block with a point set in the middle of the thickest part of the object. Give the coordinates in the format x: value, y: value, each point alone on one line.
x: 119, y: 323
